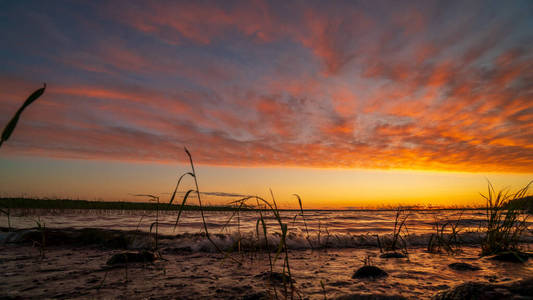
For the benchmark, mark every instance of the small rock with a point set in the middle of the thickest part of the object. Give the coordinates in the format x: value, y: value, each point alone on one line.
x: 129, y: 257
x: 463, y: 267
x: 467, y: 290
x: 393, y: 255
x: 522, y: 289
x: 511, y: 256
x: 368, y: 272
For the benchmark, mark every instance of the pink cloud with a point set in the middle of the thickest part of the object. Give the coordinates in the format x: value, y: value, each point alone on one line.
x: 307, y: 84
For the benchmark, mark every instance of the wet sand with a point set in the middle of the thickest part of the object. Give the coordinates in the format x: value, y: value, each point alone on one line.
x: 74, y: 271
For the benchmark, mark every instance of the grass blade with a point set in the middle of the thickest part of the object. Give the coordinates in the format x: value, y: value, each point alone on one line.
x: 177, y: 186
x: 181, y: 207
x: 10, y: 127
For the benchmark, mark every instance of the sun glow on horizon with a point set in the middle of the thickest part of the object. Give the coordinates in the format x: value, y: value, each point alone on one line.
x: 319, y: 188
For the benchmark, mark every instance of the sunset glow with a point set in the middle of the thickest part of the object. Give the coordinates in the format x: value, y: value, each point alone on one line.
x: 348, y: 105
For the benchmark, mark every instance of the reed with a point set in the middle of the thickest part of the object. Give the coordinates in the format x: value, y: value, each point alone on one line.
x: 281, y: 249
x: 506, y: 221
x: 323, y: 289
x: 397, y: 239
x: 367, y: 261
x: 238, y: 243
x: 307, y: 236
x: 42, y: 243
x: 10, y: 127
x: 446, y: 236
x: 8, y: 130
x: 156, y: 223
x: 265, y: 235
x: 198, y: 194
x: 7, y: 212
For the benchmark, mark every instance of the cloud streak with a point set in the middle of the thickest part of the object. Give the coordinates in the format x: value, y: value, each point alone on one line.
x: 423, y: 85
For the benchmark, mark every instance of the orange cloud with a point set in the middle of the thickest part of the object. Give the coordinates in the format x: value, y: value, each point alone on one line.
x: 299, y: 83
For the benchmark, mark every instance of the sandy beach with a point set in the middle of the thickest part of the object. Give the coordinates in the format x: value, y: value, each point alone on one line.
x: 79, y: 268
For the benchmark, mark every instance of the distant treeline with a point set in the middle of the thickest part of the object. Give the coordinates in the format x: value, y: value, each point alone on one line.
x: 31, y: 203
x: 524, y: 203
x: 105, y: 205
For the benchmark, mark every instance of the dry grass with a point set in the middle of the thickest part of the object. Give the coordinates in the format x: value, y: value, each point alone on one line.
x: 153, y: 224
x: 505, y: 220
x: 7, y: 212
x: 10, y: 127
x: 281, y: 249
x: 397, y: 241
x: 41, y: 244
x: 446, y: 236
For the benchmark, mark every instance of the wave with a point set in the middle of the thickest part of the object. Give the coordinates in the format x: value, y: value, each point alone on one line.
x: 250, y: 241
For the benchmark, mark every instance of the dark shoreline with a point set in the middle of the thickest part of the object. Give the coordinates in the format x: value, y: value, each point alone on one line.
x: 32, y: 203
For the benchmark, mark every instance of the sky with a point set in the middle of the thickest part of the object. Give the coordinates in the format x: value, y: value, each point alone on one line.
x: 346, y: 103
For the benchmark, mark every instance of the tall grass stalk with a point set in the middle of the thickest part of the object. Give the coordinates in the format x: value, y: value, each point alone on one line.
x: 323, y: 289
x: 283, y: 246
x: 265, y: 235
x: 397, y: 240
x: 8, y: 130
x: 307, y: 237
x: 7, y: 212
x: 198, y: 194
x: 10, y: 127
x: 444, y: 238
x: 156, y: 223
x: 42, y: 243
x: 506, y: 221
x: 282, y: 249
